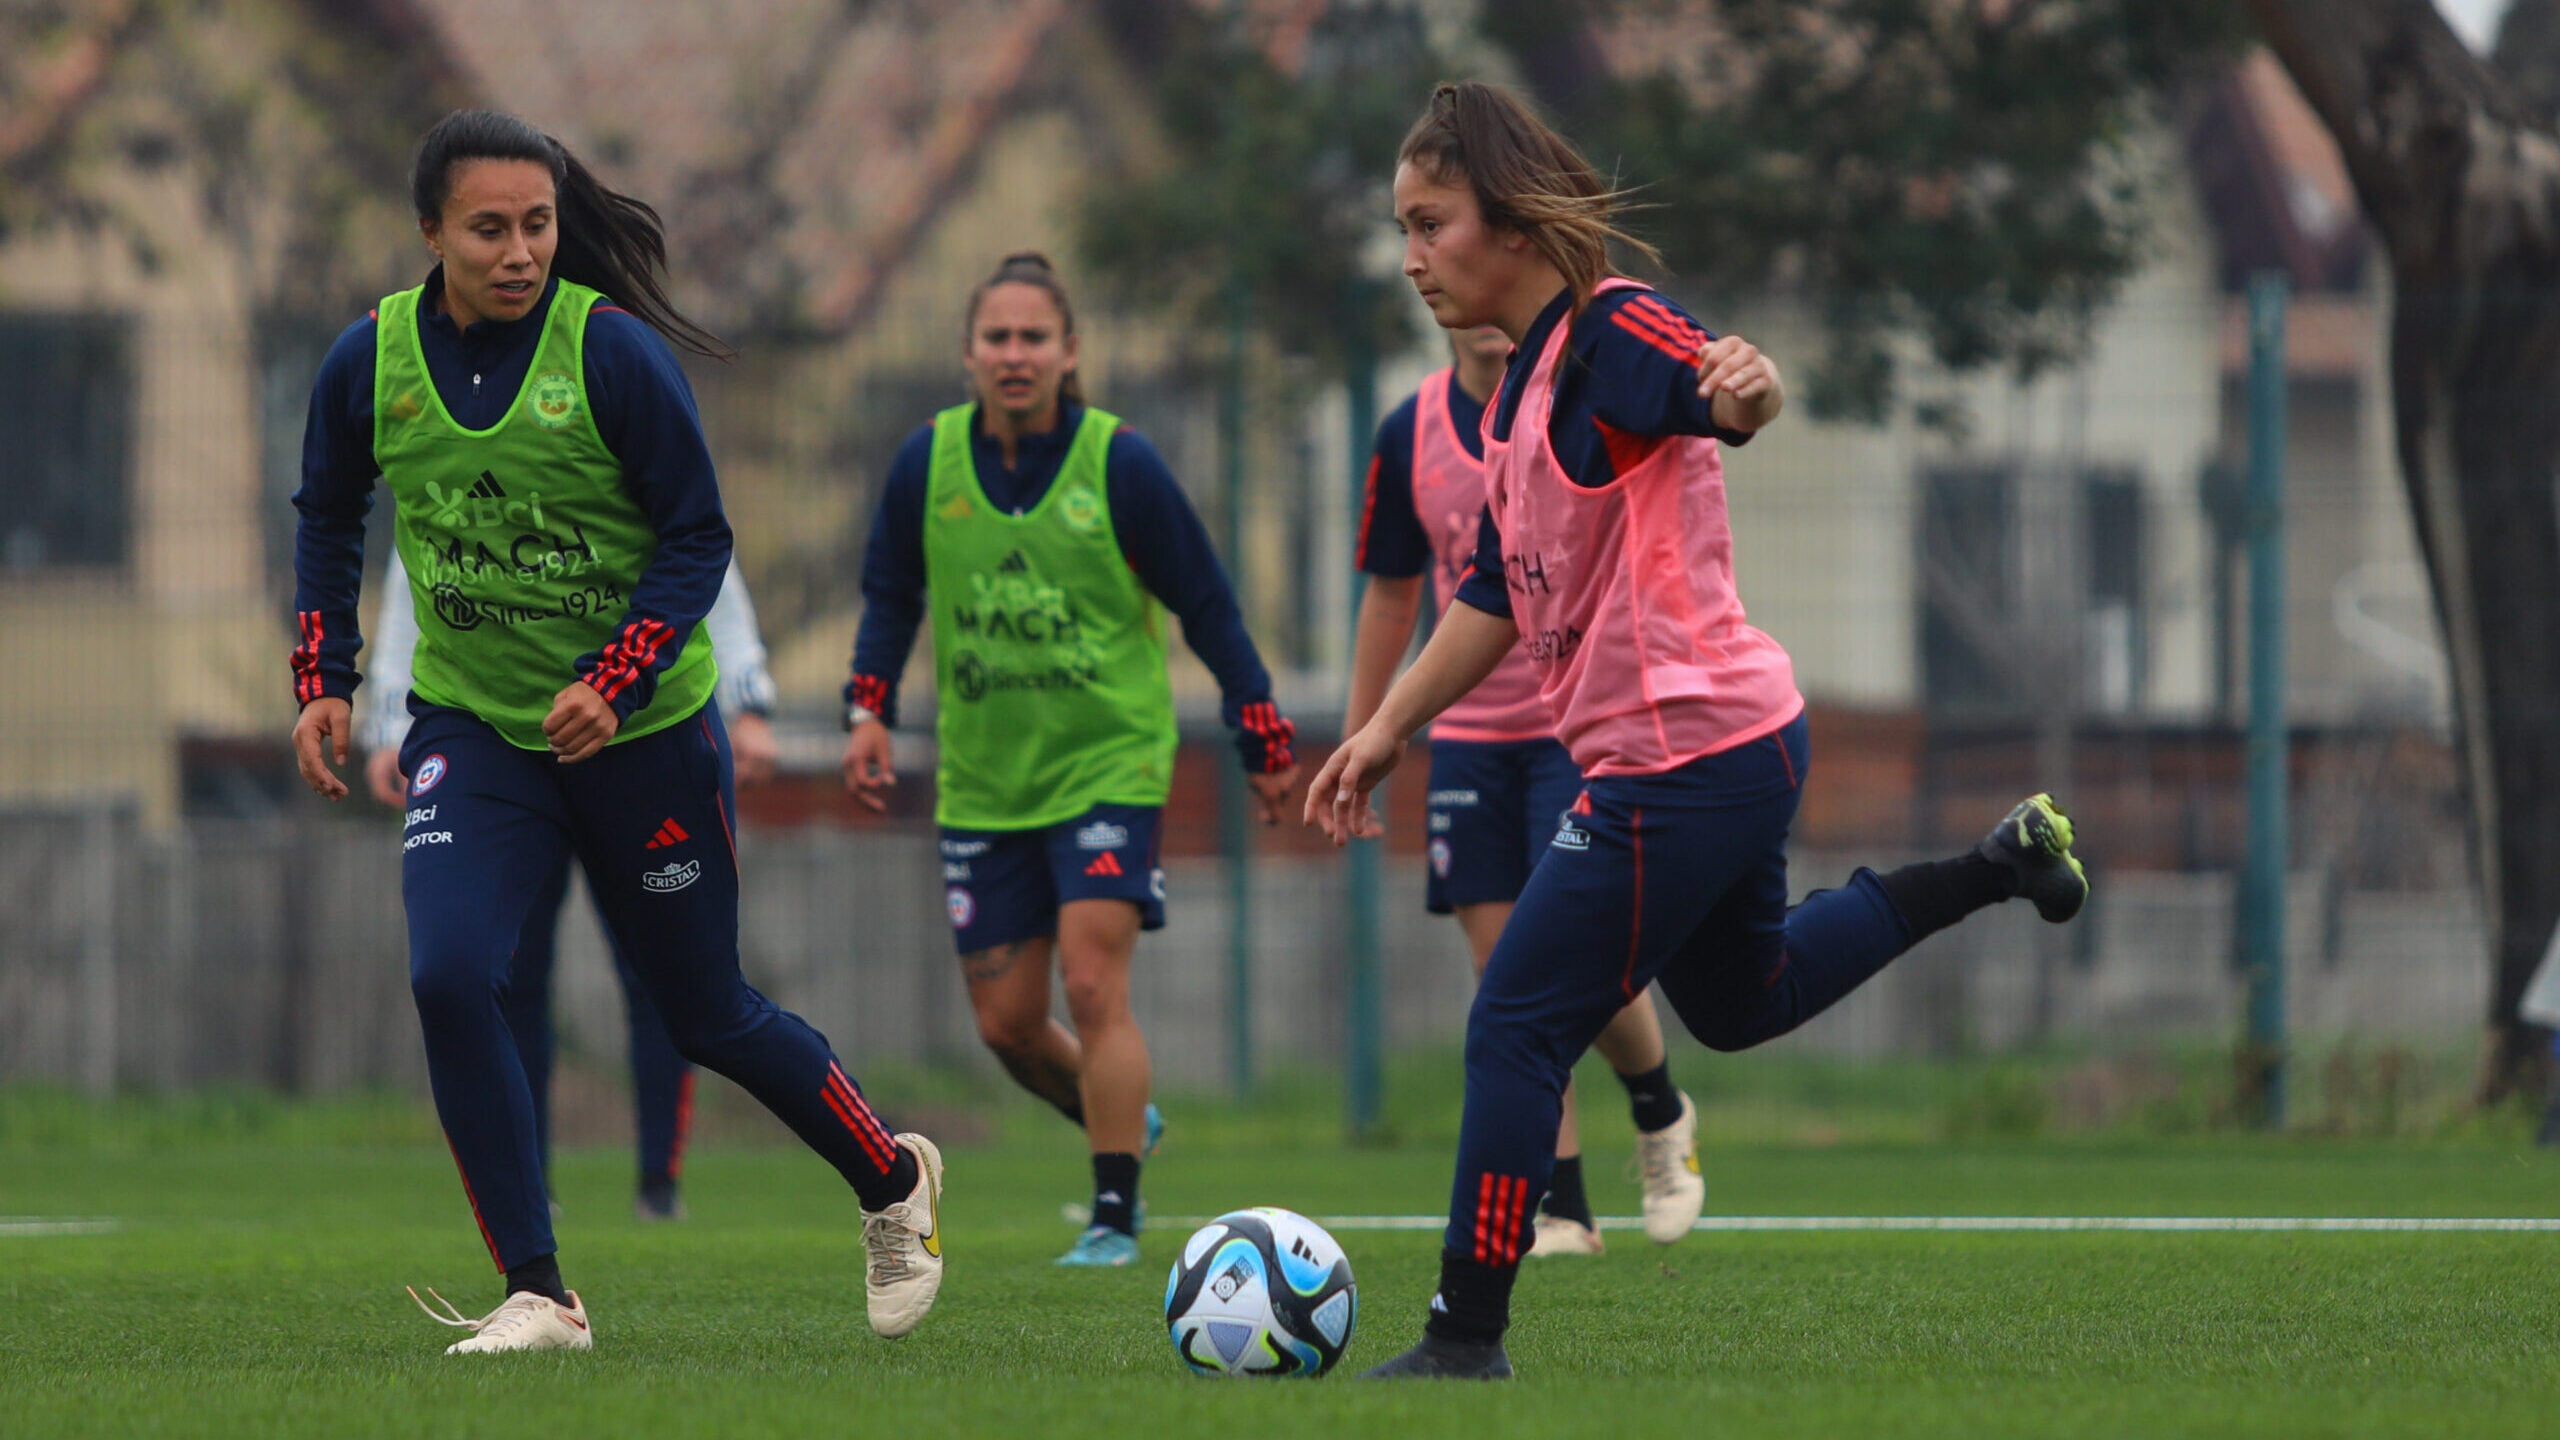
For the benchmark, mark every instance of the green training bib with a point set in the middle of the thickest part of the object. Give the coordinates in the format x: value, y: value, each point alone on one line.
x: 1048, y: 649
x: 522, y: 541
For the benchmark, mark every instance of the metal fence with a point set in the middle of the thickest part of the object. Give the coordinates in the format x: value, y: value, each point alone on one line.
x: 2050, y: 600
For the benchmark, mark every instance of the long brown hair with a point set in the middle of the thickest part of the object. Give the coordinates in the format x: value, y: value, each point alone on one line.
x: 609, y: 242
x: 1029, y: 267
x: 1526, y: 177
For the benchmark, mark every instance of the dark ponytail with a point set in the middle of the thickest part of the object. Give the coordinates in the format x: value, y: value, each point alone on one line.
x: 1030, y: 267
x: 609, y: 241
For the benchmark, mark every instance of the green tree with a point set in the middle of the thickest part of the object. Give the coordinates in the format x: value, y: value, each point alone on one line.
x: 1277, y: 192
x: 2458, y: 168
x: 1973, y: 172
x: 292, y: 120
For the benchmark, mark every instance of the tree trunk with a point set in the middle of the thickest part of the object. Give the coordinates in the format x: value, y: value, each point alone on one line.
x: 2465, y: 189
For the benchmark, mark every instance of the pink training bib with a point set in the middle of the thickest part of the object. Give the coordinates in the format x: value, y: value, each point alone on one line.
x: 1625, y: 596
x: 1448, y: 498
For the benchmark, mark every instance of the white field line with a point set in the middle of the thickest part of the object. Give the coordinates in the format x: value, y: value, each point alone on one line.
x: 54, y: 1225
x: 1973, y: 1222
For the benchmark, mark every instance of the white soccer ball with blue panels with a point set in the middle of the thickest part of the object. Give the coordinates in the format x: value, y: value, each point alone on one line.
x: 1263, y: 1291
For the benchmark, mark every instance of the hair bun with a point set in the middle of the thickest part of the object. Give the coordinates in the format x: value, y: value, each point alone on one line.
x: 1031, y: 258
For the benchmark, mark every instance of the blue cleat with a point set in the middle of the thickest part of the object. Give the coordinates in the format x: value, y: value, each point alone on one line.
x: 1155, y: 1131
x: 1102, y: 1245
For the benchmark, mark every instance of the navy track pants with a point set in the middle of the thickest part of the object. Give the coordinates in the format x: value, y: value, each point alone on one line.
x: 661, y: 1081
x: 487, y: 827
x: 1681, y: 878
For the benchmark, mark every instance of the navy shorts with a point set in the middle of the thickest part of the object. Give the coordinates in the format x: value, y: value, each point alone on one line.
x: 1006, y: 885
x: 1493, y: 807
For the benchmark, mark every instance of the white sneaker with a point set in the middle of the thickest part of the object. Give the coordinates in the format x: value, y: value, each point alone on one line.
x: 1559, y: 1236
x: 905, y: 1245
x: 1667, y: 1161
x: 526, y: 1321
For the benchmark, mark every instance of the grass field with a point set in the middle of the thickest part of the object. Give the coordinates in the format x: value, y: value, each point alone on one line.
x: 251, y: 1286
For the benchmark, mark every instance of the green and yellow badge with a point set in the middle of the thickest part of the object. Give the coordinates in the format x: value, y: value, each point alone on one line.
x: 553, y: 398
x: 1079, y: 509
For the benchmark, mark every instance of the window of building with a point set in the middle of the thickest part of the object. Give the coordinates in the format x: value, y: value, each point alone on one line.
x: 66, y: 420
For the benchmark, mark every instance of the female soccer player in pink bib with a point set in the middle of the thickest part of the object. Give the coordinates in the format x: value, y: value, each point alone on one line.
x: 1499, y: 779
x: 1605, y: 554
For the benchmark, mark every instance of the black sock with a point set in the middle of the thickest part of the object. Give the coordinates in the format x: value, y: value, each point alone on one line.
x: 1474, y: 1303
x: 879, y: 1192
x: 1115, y: 1191
x: 1565, y: 1199
x: 658, y: 1192
x: 1652, y: 1098
x: 1935, y: 894
x: 541, y: 1275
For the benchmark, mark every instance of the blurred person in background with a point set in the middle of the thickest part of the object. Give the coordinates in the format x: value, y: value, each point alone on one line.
x: 561, y: 524
x: 1500, y: 781
x: 661, y: 1081
x: 1047, y: 540
x: 1604, y: 545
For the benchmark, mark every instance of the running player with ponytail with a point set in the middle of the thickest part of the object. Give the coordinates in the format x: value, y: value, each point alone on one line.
x: 1605, y: 548
x: 1499, y: 780
x: 563, y: 535
x: 1047, y: 540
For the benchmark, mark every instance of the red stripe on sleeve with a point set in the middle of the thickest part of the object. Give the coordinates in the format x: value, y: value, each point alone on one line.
x: 306, y: 657
x: 1368, y: 513
x: 1653, y: 338
x: 871, y: 693
x: 1679, y: 328
x: 623, y: 660
x: 1262, y: 720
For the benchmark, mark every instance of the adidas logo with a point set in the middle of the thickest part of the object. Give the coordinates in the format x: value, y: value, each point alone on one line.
x: 1014, y: 564
x: 488, y: 488
x: 1105, y: 863
x: 669, y: 833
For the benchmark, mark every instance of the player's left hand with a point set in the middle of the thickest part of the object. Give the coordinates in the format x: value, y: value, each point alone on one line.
x: 1270, y: 792
x: 580, y: 723
x: 1740, y: 385
x: 752, y: 752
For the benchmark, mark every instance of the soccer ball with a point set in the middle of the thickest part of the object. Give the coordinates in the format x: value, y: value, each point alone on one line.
x: 1260, y: 1292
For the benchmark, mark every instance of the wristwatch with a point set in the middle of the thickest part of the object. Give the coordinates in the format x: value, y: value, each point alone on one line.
x: 856, y: 716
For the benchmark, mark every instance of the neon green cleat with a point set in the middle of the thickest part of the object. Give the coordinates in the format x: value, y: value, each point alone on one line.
x: 2034, y: 840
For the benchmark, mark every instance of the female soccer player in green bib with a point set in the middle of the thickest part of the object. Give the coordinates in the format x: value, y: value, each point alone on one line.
x: 564, y: 538
x: 1047, y: 540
